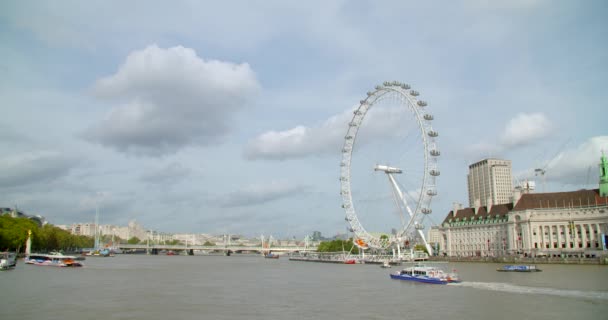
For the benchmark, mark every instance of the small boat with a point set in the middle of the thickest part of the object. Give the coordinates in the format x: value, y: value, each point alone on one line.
x: 55, y: 259
x: 519, y: 268
x: 385, y: 264
x: 350, y: 261
x: 100, y: 253
x: 271, y: 255
x: 426, y: 274
x: 8, y: 260
x: 170, y: 253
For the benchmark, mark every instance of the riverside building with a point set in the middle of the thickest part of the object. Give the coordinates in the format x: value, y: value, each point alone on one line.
x: 533, y: 224
x: 489, y: 182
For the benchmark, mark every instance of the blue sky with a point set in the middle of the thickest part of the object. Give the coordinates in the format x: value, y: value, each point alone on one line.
x: 213, y: 117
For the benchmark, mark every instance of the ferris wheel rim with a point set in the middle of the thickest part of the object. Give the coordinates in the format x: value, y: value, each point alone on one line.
x: 431, y: 153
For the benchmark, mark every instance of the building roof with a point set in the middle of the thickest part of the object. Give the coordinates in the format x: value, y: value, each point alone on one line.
x: 497, y: 210
x: 571, y: 199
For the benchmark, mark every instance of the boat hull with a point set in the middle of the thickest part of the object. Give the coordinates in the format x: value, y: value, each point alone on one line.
x: 54, y: 264
x: 519, y: 268
x: 419, y: 278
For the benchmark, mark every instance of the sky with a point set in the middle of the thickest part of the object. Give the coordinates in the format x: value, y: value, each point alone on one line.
x: 230, y: 116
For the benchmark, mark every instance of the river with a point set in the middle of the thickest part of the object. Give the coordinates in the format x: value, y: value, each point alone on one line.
x: 251, y: 287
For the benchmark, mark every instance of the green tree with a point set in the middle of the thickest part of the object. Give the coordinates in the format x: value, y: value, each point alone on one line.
x: 420, y: 247
x: 208, y: 243
x: 14, y: 232
x: 134, y: 240
x: 338, y: 246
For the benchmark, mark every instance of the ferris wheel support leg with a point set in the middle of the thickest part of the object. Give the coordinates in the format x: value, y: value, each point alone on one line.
x: 429, y: 249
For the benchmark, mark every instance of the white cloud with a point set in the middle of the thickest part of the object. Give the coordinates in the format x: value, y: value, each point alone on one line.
x: 578, y: 165
x: 522, y: 130
x: 525, y: 129
x: 326, y: 138
x: 169, y: 99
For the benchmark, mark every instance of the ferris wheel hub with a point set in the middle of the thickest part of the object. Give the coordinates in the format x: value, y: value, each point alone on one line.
x: 387, y: 169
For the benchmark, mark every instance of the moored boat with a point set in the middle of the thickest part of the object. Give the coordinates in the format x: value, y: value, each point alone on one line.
x: 519, y: 268
x: 271, y: 256
x: 55, y: 260
x: 426, y: 274
x: 350, y: 261
x: 8, y: 260
x: 385, y: 264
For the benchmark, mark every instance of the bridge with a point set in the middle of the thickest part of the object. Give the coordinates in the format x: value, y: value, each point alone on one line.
x: 221, y: 248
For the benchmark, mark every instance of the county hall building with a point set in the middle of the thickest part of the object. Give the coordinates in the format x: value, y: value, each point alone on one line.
x: 532, y: 224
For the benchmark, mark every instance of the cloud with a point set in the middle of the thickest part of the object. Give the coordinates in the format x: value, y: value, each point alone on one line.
x: 260, y: 193
x: 169, y: 174
x: 522, y: 130
x: 326, y: 138
x: 578, y: 165
x: 526, y: 128
x: 169, y: 99
x: 33, y: 168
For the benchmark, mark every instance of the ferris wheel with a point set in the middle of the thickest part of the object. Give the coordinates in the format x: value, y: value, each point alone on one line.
x: 414, y: 203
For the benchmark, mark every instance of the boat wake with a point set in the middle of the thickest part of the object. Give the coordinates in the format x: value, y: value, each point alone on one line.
x: 511, y: 288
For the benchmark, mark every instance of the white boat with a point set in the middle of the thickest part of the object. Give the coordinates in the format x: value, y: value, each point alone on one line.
x: 426, y: 273
x: 8, y: 260
x: 55, y: 260
x: 385, y: 264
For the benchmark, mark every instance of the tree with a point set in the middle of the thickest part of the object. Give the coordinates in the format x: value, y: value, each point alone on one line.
x: 208, y: 243
x: 420, y: 247
x: 14, y: 232
x: 338, y: 246
x: 134, y: 240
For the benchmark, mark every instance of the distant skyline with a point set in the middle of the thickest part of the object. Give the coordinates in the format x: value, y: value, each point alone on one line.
x: 229, y: 117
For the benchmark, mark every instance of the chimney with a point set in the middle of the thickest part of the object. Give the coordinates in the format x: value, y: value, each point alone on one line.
x: 455, y: 207
x: 489, y: 204
x: 516, y: 196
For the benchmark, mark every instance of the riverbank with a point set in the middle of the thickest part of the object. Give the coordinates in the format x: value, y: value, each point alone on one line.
x: 526, y: 260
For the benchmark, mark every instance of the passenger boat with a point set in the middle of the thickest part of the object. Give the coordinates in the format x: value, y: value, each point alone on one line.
x: 55, y: 260
x: 426, y: 274
x: 8, y: 260
x: 519, y: 268
x: 271, y: 256
x: 100, y: 253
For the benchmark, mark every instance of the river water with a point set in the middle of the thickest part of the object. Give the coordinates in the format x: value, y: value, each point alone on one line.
x: 251, y: 287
